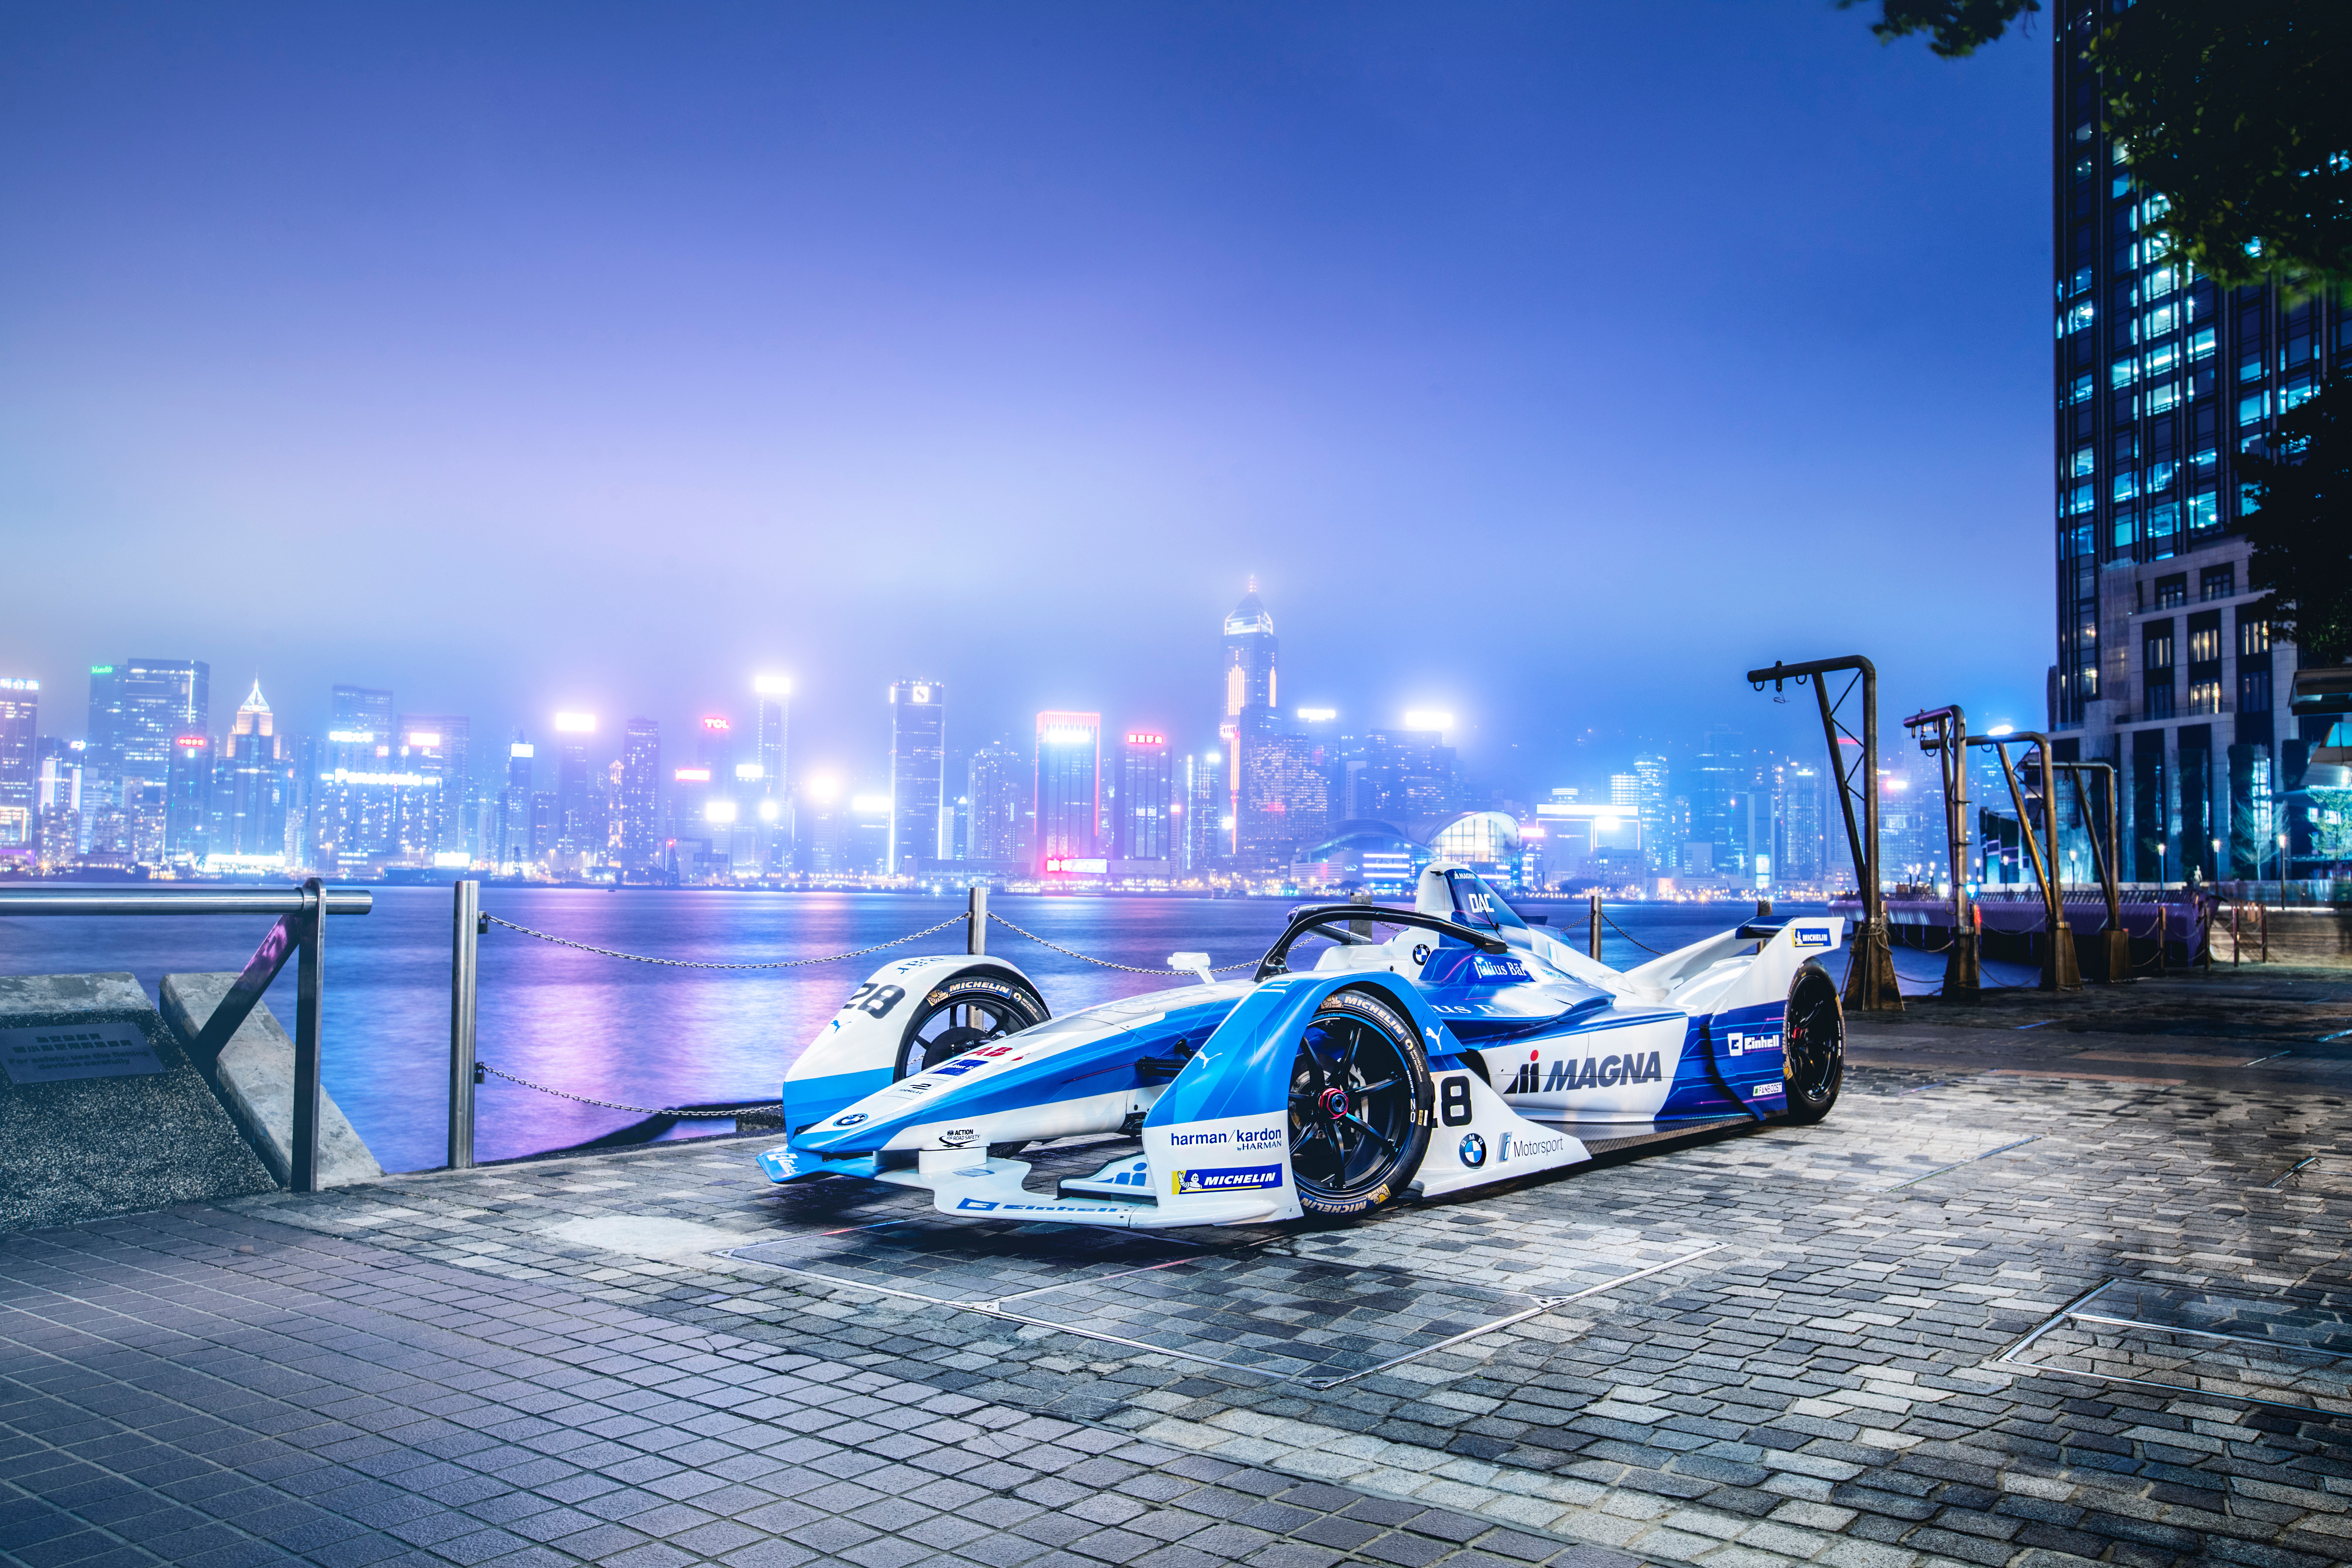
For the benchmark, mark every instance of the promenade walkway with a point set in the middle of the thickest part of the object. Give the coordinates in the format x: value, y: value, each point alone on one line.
x: 653, y: 1358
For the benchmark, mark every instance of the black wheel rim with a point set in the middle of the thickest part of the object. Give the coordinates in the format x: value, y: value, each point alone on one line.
x: 953, y: 1027
x: 1815, y: 1041
x: 1352, y: 1104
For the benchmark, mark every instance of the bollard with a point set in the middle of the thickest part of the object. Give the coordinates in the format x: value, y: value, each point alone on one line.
x: 975, y: 940
x: 465, y: 932
x: 1594, y: 943
x: 303, y: 1176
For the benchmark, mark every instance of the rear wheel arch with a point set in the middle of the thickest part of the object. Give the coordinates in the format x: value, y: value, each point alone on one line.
x: 1812, y: 1044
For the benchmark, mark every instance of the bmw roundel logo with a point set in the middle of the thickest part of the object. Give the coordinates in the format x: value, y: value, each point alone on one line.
x: 1420, y: 952
x: 1474, y: 1150
x: 849, y: 1120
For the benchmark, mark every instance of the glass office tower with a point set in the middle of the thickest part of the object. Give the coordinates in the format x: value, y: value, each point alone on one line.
x: 2162, y: 379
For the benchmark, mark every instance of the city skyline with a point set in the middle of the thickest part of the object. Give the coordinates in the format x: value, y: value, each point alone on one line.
x: 1016, y: 358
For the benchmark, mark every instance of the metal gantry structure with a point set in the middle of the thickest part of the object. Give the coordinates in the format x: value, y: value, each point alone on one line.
x: 1870, y: 982
x: 1947, y: 730
x: 2060, y: 969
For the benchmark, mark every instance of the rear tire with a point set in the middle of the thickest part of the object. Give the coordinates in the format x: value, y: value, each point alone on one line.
x: 1359, y: 1106
x: 1812, y: 1045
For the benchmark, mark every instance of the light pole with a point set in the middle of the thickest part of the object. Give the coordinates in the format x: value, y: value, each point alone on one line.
x: 2160, y: 878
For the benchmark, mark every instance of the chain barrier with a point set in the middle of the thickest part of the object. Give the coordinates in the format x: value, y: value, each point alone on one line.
x: 684, y: 1112
x: 691, y: 963
x: 1629, y: 936
x: 1130, y: 968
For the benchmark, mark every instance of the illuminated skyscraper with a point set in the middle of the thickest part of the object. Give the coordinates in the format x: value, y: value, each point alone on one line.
x: 919, y: 736
x: 514, y: 847
x: 579, y: 801
x: 1204, y: 806
x: 640, y: 794
x: 1069, y: 787
x: 20, y: 765
x: 358, y: 808
x: 252, y: 785
x: 161, y: 700
x: 1250, y: 651
x: 435, y: 811
x: 999, y: 789
x: 188, y: 798
x: 772, y: 738
x: 1143, y: 805
x: 103, y: 828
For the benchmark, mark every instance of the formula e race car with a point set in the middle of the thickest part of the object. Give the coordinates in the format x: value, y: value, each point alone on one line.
x: 1376, y: 1051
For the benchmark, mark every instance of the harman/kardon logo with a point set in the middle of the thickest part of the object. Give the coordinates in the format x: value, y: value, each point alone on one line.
x: 1226, y: 1179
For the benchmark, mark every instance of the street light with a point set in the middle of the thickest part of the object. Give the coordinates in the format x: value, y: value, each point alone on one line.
x: 2160, y: 878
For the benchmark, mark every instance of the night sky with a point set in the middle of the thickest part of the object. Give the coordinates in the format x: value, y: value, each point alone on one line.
x: 1550, y: 363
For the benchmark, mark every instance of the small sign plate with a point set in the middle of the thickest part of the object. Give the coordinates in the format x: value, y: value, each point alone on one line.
x: 52, y: 1055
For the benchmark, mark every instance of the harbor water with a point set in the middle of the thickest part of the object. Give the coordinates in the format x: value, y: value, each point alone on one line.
x: 654, y: 1035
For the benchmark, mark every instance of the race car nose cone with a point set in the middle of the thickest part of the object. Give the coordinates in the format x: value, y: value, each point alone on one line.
x: 1334, y: 1102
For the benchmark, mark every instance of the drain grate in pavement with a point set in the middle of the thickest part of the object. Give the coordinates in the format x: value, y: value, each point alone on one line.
x: 2292, y: 1355
x: 1300, y: 1319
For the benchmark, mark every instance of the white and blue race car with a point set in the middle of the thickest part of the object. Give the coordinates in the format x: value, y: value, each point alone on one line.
x: 1375, y: 1053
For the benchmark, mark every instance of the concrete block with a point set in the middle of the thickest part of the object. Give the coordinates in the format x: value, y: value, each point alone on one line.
x: 255, y: 1079
x: 88, y: 1147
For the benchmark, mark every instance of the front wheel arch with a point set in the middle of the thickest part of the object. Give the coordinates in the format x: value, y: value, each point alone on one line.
x: 1359, y: 1102
x: 994, y: 1003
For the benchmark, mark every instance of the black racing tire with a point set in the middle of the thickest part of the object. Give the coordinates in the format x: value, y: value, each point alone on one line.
x: 1361, y: 1097
x: 1812, y: 1045
x: 967, y: 1008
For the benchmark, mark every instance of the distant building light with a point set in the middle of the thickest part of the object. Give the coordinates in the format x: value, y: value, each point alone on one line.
x: 523, y: 748
x: 719, y: 810
x: 2002, y: 729
x: 191, y: 741
x: 1066, y: 734
x: 750, y: 772
x: 716, y: 723
x: 424, y: 737
x: 772, y: 686
x: 1081, y: 866
x: 394, y: 780
x: 920, y: 692
x: 577, y: 722
x: 770, y: 810
x: 1318, y: 715
x: 870, y: 805
x: 451, y: 860
x: 1139, y: 738
x: 102, y: 669
x: 1428, y: 718
x: 824, y: 787
x: 18, y: 683
x: 692, y: 776
x: 351, y: 736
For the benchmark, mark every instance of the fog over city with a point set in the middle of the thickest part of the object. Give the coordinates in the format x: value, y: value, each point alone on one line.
x: 1541, y: 369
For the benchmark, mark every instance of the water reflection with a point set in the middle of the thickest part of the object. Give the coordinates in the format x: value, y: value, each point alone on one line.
x: 653, y: 1035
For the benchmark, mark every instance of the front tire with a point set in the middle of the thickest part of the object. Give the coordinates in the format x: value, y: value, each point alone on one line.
x: 1359, y: 1106
x: 1812, y: 1045
x: 967, y: 1009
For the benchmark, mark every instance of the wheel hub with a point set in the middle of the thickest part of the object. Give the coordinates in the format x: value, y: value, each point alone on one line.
x: 1333, y: 1103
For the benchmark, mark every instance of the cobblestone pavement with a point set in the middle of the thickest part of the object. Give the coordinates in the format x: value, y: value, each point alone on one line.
x: 654, y: 1358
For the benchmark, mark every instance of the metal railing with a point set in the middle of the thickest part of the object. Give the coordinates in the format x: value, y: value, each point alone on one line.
x: 301, y: 928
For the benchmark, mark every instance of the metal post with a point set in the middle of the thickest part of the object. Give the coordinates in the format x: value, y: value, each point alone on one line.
x: 1592, y: 928
x: 304, y: 1175
x: 975, y: 937
x: 464, y: 933
x: 2061, y: 970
